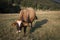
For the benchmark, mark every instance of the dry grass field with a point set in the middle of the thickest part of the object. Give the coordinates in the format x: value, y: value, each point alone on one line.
x: 47, y: 27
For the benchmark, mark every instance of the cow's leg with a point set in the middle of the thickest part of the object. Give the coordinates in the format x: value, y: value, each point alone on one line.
x: 31, y: 25
x: 25, y: 30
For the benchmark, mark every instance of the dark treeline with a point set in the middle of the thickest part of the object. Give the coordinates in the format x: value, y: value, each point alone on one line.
x: 14, y: 5
x: 9, y: 6
x: 41, y: 4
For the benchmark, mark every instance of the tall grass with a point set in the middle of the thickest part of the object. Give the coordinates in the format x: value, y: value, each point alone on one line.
x: 47, y: 27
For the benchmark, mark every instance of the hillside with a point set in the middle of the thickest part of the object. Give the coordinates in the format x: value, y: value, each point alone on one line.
x: 41, y: 4
x: 7, y: 5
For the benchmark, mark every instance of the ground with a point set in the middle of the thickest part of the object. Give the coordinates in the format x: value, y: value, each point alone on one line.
x: 47, y: 27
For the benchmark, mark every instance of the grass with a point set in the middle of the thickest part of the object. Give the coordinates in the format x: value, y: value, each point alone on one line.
x: 47, y: 27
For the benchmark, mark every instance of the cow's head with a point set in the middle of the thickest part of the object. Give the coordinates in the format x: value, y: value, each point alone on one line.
x: 17, y: 23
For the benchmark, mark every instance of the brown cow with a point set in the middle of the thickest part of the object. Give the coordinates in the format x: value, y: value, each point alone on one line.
x: 26, y: 16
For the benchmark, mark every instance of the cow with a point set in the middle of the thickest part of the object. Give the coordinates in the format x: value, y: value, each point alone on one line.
x: 26, y: 17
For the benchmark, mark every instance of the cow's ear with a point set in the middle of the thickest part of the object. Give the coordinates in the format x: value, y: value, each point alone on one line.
x: 14, y: 24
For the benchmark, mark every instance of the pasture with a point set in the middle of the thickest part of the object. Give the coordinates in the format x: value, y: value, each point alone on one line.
x: 47, y: 27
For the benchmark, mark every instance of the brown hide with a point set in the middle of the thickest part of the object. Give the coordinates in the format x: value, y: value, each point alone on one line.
x: 28, y: 12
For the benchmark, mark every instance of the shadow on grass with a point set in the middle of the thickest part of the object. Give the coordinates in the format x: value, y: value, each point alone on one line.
x: 38, y: 24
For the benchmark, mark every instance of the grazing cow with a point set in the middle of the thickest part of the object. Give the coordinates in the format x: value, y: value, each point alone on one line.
x: 26, y: 16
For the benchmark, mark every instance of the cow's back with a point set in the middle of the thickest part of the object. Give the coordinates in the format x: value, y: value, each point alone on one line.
x: 28, y: 12
x: 31, y: 13
x: 25, y: 15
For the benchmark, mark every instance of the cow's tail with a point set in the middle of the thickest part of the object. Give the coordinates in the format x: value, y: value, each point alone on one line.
x: 36, y: 17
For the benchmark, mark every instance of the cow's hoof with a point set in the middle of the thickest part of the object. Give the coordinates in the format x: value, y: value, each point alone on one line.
x: 18, y: 31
